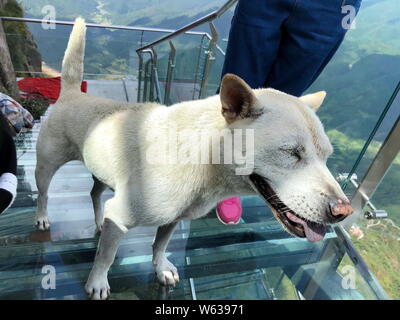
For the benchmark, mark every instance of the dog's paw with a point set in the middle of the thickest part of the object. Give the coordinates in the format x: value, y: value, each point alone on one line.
x: 167, y: 273
x: 42, y: 223
x: 97, y: 288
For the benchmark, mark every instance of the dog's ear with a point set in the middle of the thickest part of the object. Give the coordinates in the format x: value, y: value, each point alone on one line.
x: 237, y: 98
x: 314, y: 100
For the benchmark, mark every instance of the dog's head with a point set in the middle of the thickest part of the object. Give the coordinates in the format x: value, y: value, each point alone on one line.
x: 290, y: 154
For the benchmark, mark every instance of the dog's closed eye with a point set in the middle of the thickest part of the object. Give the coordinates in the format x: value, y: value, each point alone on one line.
x: 295, y: 152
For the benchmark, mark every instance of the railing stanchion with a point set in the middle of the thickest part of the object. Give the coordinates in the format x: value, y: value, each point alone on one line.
x: 197, y: 71
x: 147, y: 69
x: 170, y: 73
x: 209, y: 58
x: 152, y: 82
x: 140, y: 77
x: 155, y: 82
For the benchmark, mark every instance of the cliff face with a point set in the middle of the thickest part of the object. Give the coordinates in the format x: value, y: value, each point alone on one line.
x: 23, y: 50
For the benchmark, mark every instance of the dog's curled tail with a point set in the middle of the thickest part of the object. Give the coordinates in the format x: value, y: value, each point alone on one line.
x: 72, y: 66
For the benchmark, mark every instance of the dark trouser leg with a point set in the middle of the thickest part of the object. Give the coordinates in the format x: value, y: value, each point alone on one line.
x: 310, y: 38
x: 254, y: 39
x: 8, y: 167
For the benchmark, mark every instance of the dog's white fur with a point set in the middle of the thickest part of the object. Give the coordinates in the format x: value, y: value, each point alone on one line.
x: 112, y: 139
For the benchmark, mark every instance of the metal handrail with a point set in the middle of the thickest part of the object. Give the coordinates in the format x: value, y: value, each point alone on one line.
x: 154, y: 82
x: 172, y: 33
x: 208, y: 18
x: 111, y: 26
x: 141, y: 29
x: 103, y: 26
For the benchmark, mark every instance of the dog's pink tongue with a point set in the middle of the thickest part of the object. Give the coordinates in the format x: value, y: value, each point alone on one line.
x: 314, y: 231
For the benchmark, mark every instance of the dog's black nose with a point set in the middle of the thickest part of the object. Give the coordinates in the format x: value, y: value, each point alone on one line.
x: 340, y: 209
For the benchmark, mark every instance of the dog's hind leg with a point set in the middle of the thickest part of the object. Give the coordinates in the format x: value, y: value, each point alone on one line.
x: 97, y: 190
x: 167, y: 273
x: 43, y: 174
x: 50, y: 158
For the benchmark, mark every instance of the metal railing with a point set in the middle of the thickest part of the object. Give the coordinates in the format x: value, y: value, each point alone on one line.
x: 102, y: 26
x: 113, y: 27
x: 152, y: 90
x: 213, y: 37
x: 171, y: 32
x: 208, y: 18
x: 374, y: 213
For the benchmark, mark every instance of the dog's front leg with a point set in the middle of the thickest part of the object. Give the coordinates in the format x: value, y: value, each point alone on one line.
x: 97, y: 286
x: 167, y: 273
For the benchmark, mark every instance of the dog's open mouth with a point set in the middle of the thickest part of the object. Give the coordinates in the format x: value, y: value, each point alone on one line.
x: 313, y: 231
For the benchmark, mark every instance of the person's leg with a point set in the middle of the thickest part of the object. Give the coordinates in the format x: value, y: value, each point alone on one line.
x: 8, y: 168
x: 252, y: 48
x: 254, y: 39
x: 310, y: 38
x: 8, y: 159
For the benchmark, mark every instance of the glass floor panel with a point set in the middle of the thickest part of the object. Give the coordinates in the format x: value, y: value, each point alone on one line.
x: 255, y: 259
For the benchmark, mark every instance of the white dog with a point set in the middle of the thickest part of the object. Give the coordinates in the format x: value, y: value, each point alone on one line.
x: 113, y: 140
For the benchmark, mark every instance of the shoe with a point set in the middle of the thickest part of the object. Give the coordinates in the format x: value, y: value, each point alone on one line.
x: 229, y: 210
